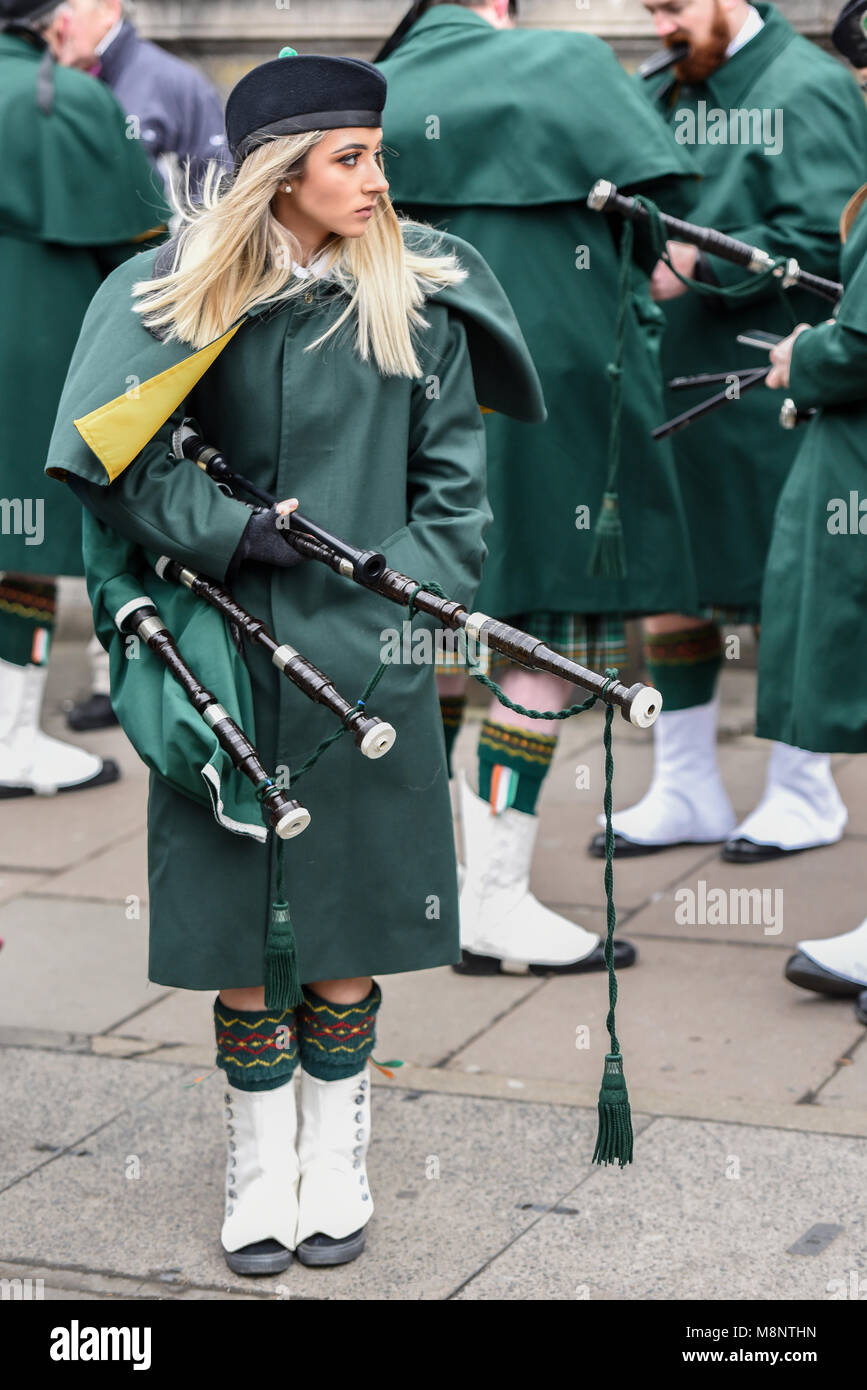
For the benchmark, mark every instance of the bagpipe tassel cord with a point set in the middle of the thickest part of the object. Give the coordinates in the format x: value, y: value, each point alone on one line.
x: 614, y: 1136
x: 282, y: 983
x: 608, y: 557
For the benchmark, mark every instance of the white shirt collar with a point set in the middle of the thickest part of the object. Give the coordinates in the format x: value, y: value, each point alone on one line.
x: 751, y: 26
x: 315, y: 268
x: 108, y: 38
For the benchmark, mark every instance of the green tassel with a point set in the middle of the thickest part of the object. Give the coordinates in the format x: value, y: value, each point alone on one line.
x: 282, y: 985
x: 608, y: 557
x: 614, y: 1137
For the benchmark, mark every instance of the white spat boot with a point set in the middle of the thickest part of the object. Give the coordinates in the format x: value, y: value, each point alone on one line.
x: 258, y: 1233
x: 686, y: 802
x: 800, y: 809
x: 836, y: 965
x: 335, y: 1203
x: 31, y: 762
x: 504, y: 928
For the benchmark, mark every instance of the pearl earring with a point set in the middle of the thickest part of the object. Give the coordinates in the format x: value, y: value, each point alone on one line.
x: 288, y: 188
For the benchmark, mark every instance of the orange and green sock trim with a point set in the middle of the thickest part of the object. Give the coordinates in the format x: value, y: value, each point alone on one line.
x: 452, y: 710
x: 257, y: 1049
x: 27, y: 609
x: 684, y: 664
x: 512, y: 766
x: 335, y: 1040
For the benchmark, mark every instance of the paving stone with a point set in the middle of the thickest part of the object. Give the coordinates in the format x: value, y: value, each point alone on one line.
x: 497, y: 1162
x: 815, y: 894
x: 118, y: 873
x: 709, y: 1025
x: 69, y: 965
x: 847, y: 1088
x: 709, y: 1213
x: 56, y: 1098
x: 13, y: 884
x: 850, y: 774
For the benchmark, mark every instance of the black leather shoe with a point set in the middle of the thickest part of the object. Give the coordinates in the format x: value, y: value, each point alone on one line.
x: 806, y: 973
x: 625, y: 849
x: 747, y: 852
x: 861, y: 1007
x: 625, y: 954
x: 261, y: 1257
x: 93, y: 713
x: 326, y: 1250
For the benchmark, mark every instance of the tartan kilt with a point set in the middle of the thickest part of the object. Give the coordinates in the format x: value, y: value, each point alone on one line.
x: 595, y: 640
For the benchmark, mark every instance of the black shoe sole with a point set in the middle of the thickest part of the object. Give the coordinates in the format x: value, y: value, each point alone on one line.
x: 625, y: 955
x: 746, y: 852
x: 631, y: 849
x: 85, y: 723
x: 805, y: 973
x: 329, y: 1251
x: 109, y: 772
x: 263, y: 1257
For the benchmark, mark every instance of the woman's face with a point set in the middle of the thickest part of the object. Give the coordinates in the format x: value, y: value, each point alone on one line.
x: 339, y: 189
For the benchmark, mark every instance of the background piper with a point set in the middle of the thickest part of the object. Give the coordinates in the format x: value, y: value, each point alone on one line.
x: 779, y: 130
x: 813, y: 656
x: 63, y: 136
x: 499, y: 134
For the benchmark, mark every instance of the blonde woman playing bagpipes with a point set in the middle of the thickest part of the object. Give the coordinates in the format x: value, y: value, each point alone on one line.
x: 338, y: 358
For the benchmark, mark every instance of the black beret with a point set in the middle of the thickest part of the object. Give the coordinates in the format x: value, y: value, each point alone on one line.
x: 849, y: 34
x: 302, y: 92
x: 19, y: 10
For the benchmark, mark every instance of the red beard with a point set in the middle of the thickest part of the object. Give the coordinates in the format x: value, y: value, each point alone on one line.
x: 703, y: 59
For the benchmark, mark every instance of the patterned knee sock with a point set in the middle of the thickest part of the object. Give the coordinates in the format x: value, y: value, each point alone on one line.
x: 257, y: 1049
x: 452, y: 710
x: 512, y: 765
x: 335, y: 1040
x: 27, y: 608
x: 685, y: 664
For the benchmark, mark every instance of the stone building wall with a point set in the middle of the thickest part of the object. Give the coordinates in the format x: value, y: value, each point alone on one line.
x: 229, y: 36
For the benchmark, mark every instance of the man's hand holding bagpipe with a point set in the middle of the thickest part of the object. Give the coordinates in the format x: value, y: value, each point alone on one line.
x: 781, y: 359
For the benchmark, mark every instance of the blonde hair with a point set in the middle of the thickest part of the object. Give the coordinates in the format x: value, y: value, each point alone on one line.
x: 233, y: 254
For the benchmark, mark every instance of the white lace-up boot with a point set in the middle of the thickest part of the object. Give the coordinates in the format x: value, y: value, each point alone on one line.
x: 30, y: 761
x: 334, y: 1203
x: 503, y: 926
x: 258, y: 1234
x: 686, y: 802
x: 800, y: 808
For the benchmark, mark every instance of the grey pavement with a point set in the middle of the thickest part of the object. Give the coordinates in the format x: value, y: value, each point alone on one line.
x: 748, y: 1095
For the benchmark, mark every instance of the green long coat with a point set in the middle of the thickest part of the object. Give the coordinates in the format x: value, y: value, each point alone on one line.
x: 813, y: 652
x: 733, y: 464
x: 499, y: 135
x: 76, y: 199
x: 389, y: 463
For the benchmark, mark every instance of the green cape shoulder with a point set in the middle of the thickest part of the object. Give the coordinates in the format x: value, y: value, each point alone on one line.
x: 73, y: 174
x: 534, y: 116
x: 124, y: 383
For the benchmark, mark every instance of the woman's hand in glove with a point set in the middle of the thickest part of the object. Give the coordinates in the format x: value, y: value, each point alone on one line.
x: 264, y: 540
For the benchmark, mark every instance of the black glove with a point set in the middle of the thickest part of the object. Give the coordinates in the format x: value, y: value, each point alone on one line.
x: 262, y: 541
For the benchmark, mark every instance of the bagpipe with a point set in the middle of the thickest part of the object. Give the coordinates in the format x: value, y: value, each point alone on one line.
x: 785, y: 271
x: 639, y: 704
